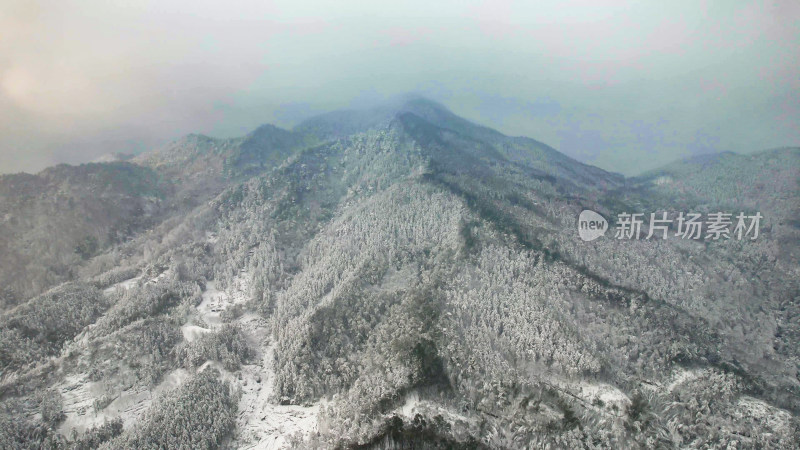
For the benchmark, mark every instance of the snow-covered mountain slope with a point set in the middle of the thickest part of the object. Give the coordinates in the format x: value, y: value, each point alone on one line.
x: 407, y: 279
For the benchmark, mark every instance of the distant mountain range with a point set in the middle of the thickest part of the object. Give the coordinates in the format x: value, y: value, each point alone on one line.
x: 394, y: 278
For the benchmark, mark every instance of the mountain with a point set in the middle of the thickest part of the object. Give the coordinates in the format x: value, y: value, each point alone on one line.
x: 404, y: 278
x: 521, y: 150
x: 765, y: 182
x: 198, y: 162
x: 766, y: 179
x: 52, y: 221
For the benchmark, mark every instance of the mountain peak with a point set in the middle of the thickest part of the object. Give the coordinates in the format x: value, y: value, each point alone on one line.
x: 413, y: 101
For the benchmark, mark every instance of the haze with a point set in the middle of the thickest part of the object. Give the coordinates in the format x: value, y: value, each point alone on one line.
x: 626, y: 86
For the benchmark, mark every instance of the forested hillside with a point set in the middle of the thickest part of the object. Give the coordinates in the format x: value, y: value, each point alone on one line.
x: 50, y: 223
x: 402, y: 278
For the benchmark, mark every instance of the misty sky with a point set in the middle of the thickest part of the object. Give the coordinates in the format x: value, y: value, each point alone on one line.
x: 623, y: 85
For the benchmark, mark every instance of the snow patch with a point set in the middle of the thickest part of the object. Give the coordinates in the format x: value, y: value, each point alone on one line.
x: 212, y: 305
x: 124, y: 285
x: 192, y: 332
x: 215, y: 301
x: 777, y: 419
x: 682, y: 376
x: 262, y: 424
x: 80, y: 396
x: 414, y: 405
x: 609, y: 395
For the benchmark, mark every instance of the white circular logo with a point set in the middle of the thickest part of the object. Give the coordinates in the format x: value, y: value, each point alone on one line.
x: 591, y: 225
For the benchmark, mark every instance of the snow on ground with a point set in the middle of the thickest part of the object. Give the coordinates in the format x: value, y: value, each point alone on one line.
x: 213, y: 303
x: 412, y: 402
x: 158, y: 277
x: 192, y: 332
x: 79, y: 395
x: 682, y: 376
x: 759, y: 411
x: 606, y: 393
x: 260, y: 423
x: 125, y: 285
x: 414, y: 405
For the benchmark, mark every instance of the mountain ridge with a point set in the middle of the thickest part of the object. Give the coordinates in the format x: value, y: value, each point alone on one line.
x: 413, y: 283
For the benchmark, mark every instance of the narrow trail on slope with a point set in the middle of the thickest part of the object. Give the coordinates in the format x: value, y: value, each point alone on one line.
x: 260, y: 423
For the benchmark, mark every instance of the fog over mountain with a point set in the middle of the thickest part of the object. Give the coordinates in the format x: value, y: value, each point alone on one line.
x: 626, y: 86
x: 395, y: 277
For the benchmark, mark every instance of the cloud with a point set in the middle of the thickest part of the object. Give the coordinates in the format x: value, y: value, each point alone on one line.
x: 612, y: 82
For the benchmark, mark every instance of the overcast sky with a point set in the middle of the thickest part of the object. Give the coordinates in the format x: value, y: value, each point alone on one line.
x: 623, y: 85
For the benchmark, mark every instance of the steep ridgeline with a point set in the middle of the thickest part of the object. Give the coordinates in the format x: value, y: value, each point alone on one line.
x: 201, y: 157
x: 523, y: 150
x: 404, y: 278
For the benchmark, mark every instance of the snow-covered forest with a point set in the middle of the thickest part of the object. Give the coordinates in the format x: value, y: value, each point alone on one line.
x: 398, y: 280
